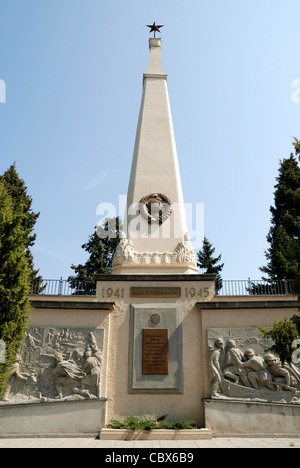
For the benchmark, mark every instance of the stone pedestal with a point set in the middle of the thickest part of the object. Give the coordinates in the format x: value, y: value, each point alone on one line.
x: 249, y: 419
x: 155, y: 348
x: 61, y: 419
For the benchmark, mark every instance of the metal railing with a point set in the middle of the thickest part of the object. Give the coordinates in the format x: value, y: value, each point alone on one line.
x: 254, y: 288
x: 224, y: 288
x: 62, y: 288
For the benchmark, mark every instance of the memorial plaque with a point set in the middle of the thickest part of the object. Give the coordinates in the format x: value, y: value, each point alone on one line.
x: 155, y: 291
x: 155, y: 351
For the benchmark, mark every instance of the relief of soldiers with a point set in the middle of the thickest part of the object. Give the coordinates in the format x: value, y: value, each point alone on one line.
x: 92, y: 367
x: 68, y: 374
x: 79, y: 380
x: 235, y: 368
x: 16, y: 375
x: 56, y: 364
x: 248, y: 369
x: 257, y: 372
x: 215, y: 365
x: 280, y: 374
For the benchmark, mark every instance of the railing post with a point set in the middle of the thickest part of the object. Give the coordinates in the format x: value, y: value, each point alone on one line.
x: 249, y: 287
x: 286, y: 288
x: 60, y: 287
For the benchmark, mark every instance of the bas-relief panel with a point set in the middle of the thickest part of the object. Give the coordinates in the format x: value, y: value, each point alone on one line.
x: 241, y: 367
x: 57, y: 364
x: 183, y: 253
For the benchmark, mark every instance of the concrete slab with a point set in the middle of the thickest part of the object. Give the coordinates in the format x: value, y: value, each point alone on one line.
x: 60, y: 419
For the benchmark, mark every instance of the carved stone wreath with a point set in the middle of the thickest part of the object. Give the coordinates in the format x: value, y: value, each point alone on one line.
x: 155, y: 208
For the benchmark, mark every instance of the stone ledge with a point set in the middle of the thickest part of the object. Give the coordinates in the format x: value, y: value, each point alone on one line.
x: 82, y: 305
x: 284, y: 304
x: 158, y: 278
x: 232, y: 418
x: 63, y: 435
x: 156, y: 76
x: 156, y: 434
x: 78, y: 418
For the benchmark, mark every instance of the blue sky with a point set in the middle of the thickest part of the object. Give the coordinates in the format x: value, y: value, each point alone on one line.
x: 73, y: 73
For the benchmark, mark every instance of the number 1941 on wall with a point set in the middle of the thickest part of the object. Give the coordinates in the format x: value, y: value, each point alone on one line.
x: 110, y: 292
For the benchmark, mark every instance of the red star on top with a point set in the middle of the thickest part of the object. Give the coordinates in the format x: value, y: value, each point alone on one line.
x: 155, y: 27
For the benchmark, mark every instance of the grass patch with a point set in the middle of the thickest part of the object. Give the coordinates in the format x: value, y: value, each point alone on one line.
x: 138, y: 424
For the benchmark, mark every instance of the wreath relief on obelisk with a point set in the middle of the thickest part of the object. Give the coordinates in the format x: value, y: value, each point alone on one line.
x: 155, y: 208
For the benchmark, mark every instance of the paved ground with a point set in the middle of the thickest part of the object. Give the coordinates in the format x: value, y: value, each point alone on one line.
x: 192, y: 444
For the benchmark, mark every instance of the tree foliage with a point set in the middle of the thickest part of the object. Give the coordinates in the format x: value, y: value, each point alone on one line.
x: 14, y: 280
x: 283, y: 333
x: 209, y: 263
x: 101, y: 247
x: 17, y: 190
x: 283, y: 254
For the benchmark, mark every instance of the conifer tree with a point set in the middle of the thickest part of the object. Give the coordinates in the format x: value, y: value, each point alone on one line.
x: 284, y: 235
x: 101, y: 249
x: 209, y: 263
x: 296, y: 251
x: 17, y: 190
x: 14, y: 281
x: 284, y: 334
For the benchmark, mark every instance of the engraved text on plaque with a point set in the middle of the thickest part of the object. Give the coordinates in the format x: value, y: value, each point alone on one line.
x: 155, y: 351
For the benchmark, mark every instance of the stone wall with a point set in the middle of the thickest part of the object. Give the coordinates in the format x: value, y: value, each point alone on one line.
x: 92, y: 349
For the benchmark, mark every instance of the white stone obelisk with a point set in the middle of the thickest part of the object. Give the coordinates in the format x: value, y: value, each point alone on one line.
x: 155, y: 237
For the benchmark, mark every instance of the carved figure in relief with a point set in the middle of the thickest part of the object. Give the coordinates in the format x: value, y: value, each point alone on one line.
x: 50, y: 337
x: 258, y: 374
x: 92, y: 368
x: 15, y: 374
x: 31, y: 342
x: 68, y: 374
x: 281, y: 374
x: 78, y: 357
x: 248, y: 375
x: 215, y: 358
x: 235, y: 368
x: 98, y: 354
x: 183, y: 253
x: 56, y: 363
x: 190, y: 254
x: 124, y: 251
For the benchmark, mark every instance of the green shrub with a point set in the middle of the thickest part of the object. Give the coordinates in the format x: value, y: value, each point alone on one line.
x: 137, y: 424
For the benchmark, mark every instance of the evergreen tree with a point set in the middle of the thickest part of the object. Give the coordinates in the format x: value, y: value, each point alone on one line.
x: 296, y: 251
x: 14, y: 281
x: 284, y: 235
x: 101, y: 247
x: 209, y: 263
x: 17, y: 190
x: 284, y: 334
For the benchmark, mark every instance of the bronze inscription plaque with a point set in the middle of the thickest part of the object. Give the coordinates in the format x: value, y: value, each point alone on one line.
x: 155, y: 351
x: 155, y: 291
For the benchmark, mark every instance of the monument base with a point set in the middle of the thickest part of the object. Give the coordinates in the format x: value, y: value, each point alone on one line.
x: 157, y: 434
x: 155, y: 350
x: 133, y: 269
x: 83, y: 418
x: 251, y: 419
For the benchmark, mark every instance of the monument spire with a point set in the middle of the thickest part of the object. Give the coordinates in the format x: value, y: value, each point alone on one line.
x: 155, y: 235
